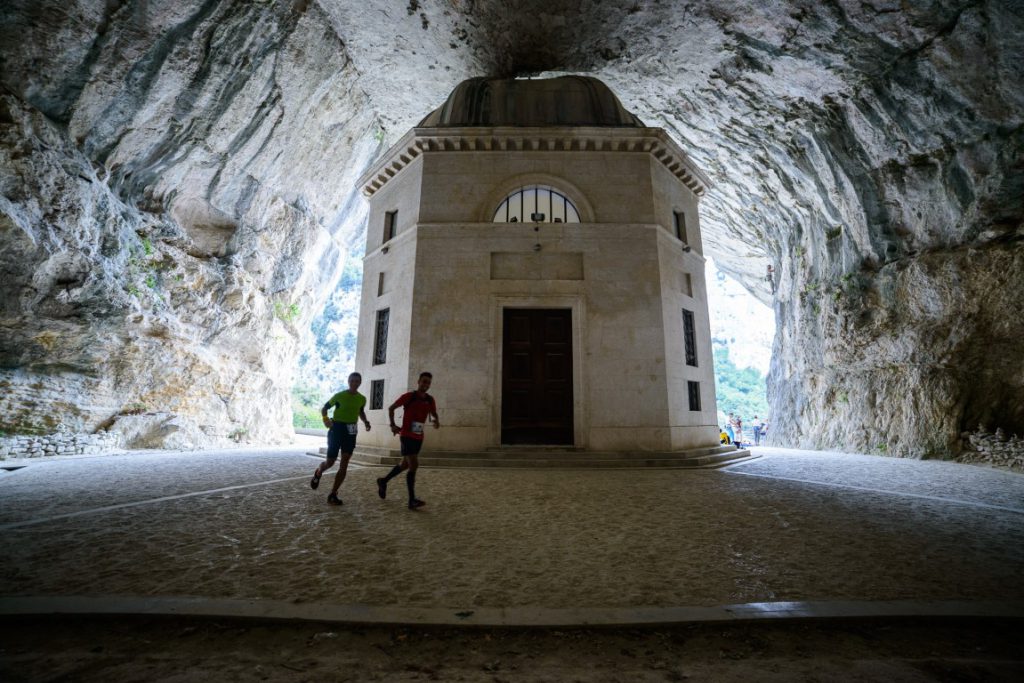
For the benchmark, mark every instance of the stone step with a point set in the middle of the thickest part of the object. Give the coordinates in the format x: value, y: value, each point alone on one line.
x: 704, y: 458
x: 535, y: 453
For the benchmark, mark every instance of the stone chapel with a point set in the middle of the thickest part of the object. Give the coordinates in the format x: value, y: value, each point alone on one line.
x: 537, y: 248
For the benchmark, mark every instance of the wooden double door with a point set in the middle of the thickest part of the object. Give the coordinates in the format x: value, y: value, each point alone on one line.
x: 536, y: 394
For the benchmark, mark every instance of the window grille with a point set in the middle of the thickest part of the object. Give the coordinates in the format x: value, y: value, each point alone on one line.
x: 689, y: 338
x: 693, y: 388
x: 380, y: 337
x: 376, y: 394
x: 536, y: 204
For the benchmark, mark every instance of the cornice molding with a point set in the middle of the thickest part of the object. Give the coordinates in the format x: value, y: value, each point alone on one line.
x: 653, y: 141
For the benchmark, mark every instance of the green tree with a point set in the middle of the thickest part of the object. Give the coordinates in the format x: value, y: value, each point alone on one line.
x: 739, y: 390
x: 306, y: 402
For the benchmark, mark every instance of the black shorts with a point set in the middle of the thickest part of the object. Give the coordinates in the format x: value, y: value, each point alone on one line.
x: 339, y: 439
x: 410, y: 446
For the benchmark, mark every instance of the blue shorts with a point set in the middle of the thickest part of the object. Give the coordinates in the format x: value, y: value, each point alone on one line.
x: 341, y: 437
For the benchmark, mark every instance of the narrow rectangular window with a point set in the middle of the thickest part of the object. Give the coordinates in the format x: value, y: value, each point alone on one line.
x: 687, y: 285
x: 380, y: 283
x: 380, y: 337
x: 693, y: 389
x: 680, y: 221
x: 390, y: 222
x: 376, y: 394
x: 689, y: 338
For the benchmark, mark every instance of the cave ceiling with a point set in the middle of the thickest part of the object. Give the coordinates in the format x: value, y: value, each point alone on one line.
x: 759, y: 93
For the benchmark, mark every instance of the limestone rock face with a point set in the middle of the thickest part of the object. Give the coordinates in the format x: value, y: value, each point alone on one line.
x: 871, y: 152
x: 177, y: 190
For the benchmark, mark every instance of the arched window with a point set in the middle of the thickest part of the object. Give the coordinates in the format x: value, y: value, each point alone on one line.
x: 536, y: 204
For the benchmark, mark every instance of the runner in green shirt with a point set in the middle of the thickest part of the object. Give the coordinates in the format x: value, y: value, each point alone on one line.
x: 341, y: 434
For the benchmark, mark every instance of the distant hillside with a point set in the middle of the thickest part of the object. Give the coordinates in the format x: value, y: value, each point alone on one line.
x: 742, y: 330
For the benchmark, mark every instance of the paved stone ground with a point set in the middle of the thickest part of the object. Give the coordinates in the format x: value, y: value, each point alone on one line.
x: 242, y: 527
x: 244, y: 524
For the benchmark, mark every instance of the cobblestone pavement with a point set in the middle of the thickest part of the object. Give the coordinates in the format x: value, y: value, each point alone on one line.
x: 791, y: 526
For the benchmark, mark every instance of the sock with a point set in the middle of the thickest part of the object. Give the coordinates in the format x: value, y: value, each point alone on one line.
x: 395, y: 471
x: 410, y: 481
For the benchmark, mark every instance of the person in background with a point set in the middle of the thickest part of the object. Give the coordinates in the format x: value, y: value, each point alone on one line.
x: 757, y: 431
x: 737, y: 429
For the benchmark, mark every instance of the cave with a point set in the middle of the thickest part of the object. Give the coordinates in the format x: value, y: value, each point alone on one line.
x: 180, y: 191
x: 183, y: 183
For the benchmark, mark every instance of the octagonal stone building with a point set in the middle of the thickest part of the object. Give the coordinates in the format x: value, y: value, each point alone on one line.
x: 537, y: 248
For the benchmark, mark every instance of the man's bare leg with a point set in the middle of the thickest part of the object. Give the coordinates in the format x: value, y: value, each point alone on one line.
x: 342, y: 471
x: 320, y: 469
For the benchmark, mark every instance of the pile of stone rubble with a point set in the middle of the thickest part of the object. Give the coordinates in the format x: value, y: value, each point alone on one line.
x: 998, y: 449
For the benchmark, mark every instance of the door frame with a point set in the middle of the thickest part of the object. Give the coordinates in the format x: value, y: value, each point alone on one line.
x: 575, y: 303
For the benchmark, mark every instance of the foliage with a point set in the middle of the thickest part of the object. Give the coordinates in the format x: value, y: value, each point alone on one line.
x: 306, y: 402
x: 349, y: 343
x: 332, y: 349
x: 739, y: 390
x: 286, y: 313
x: 351, y: 275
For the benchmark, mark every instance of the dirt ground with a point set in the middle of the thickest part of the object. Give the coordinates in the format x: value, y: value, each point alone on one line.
x: 175, y: 649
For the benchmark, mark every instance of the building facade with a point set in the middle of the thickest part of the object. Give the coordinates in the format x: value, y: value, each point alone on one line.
x: 538, y: 249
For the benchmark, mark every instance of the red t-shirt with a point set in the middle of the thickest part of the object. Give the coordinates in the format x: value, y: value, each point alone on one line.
x: 415, y: 410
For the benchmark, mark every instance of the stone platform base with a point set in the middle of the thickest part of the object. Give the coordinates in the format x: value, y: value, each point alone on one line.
x: 541, y: 457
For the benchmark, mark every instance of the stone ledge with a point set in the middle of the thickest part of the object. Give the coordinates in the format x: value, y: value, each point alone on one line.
x: 654, y: 141
x: 700, y: 458
x: 504, y: 616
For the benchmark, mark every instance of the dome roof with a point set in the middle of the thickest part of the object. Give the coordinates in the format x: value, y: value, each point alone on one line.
x: 562, y: 101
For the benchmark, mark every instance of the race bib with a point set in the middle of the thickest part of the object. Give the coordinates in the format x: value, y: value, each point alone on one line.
x: 352, y: 428
x: 416, y: 427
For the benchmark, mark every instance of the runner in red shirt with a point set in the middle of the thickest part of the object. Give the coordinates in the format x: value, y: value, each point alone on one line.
x: 418, y: 408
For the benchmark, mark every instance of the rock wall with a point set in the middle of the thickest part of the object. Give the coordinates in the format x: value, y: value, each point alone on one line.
x: 61, y: 442
x: 871, y: 154
x: 177, y: 187
x: 899, y: 302
x: 177, y: 193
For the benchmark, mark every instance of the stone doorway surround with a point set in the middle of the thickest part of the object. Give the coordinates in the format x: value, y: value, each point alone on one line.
x: 576, y: 305
x: 546, y: 379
